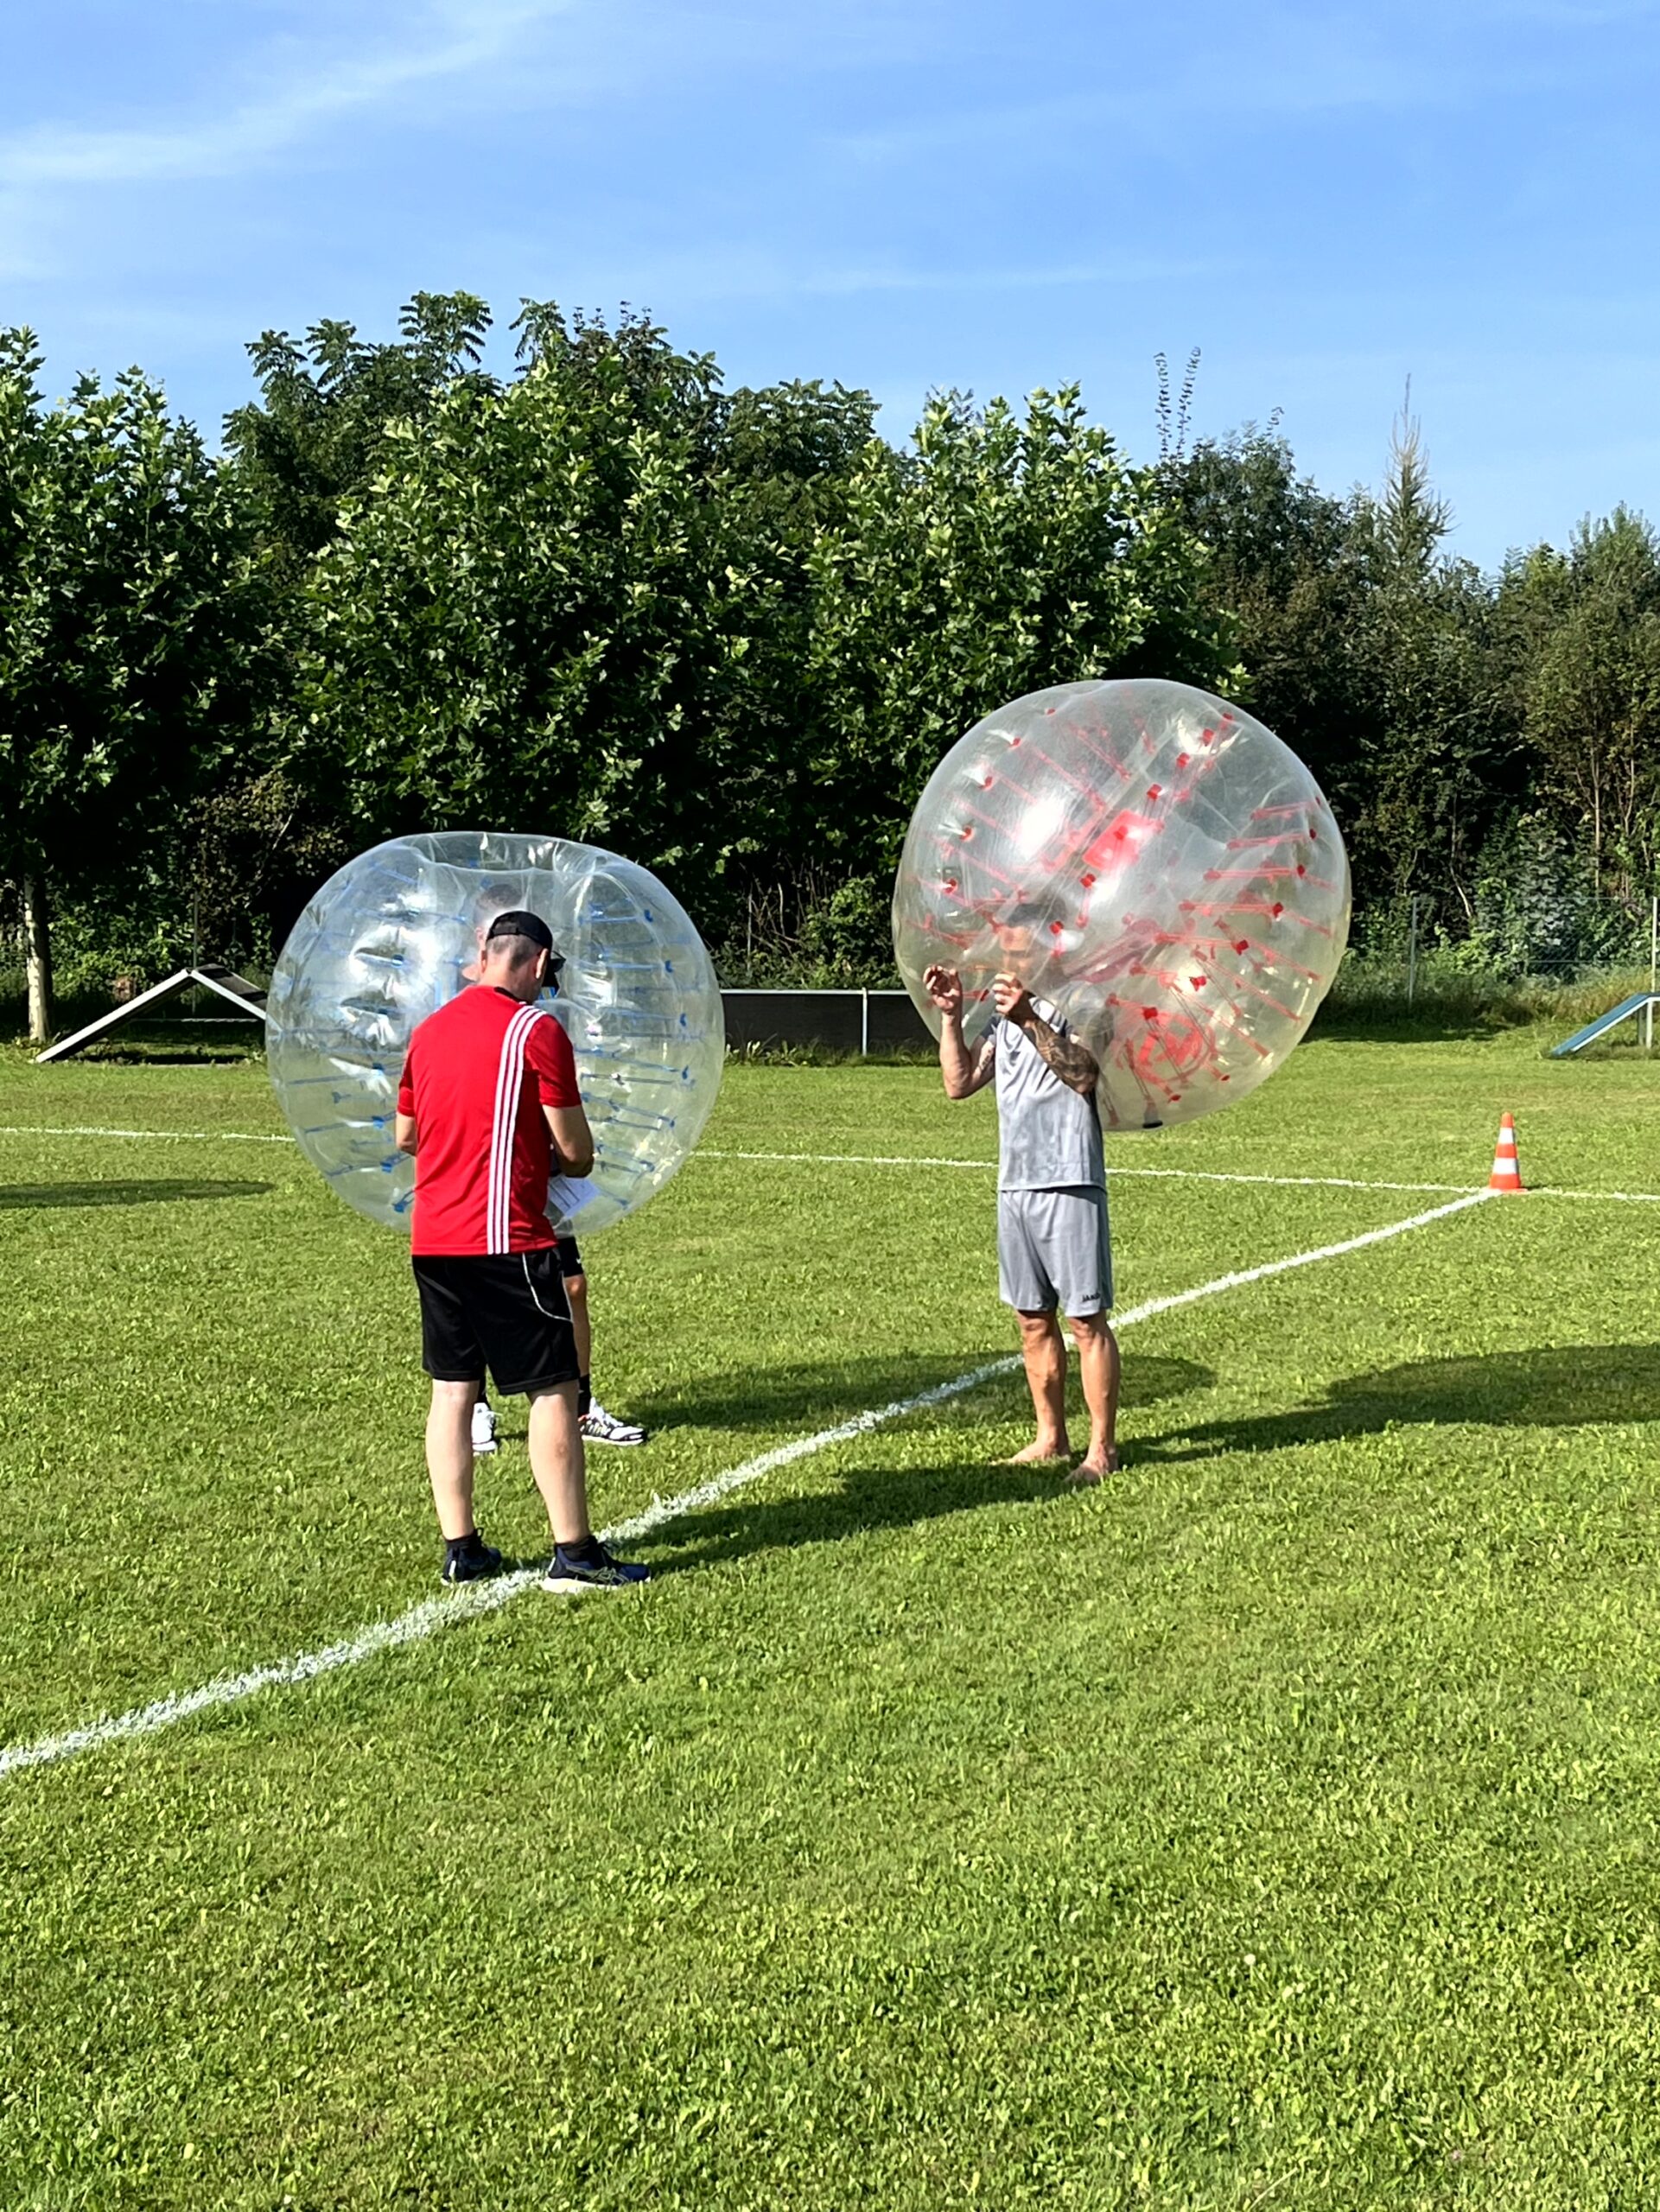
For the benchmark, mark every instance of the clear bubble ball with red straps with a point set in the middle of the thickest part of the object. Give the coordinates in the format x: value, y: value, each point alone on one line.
x: 1150, y: 860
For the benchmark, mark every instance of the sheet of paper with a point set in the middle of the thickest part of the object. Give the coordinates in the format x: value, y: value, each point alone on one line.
x: 567, y: 1195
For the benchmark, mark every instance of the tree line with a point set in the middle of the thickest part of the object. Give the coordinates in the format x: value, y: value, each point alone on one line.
x: 730, y: 631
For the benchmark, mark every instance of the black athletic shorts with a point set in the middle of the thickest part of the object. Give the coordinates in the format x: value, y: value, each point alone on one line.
x: 506, y: 1311
x: 570, y: 1259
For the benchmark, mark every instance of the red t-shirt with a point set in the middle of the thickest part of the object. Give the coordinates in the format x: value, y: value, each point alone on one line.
x: 476, y: 1077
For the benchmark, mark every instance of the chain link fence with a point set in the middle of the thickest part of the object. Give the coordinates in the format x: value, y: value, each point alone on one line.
x: 1431, y: 941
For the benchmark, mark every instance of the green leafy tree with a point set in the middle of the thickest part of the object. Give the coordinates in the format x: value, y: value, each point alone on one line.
x: 1366, y: 648
x: 316, y: 433
x: 787, y: 457
x: 788, y: 454
x: 133, y: 636
x: 1440, y: 749
x: 536, y: 614
x: 315, y: 437
x: 1001, y: 554
x: 1286, y: 571
x: 1583, y: 628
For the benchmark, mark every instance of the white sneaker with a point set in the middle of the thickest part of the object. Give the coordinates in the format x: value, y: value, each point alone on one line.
x: 484, y: 1430
x: 602, y: 1427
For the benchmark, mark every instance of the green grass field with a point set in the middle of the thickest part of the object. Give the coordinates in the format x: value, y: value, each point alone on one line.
x: 1276, y: 1827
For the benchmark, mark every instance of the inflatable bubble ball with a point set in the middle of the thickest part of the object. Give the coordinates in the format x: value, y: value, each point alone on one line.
x: 395, y: 934
x: 1155, y: 863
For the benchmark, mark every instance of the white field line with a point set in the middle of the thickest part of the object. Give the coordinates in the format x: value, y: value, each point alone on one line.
x: 1625, y: 1197
x: 467, y: 1603
x: 988, y: 1166
x: 1115, y: 1173
x: 1170, y: 1174
x: 897, y: 1159
x: 155, y: 1136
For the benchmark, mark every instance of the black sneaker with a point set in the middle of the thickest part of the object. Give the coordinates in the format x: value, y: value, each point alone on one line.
x: 569, y: 1575
x: 471, y: 1562
x: 600, y: 1427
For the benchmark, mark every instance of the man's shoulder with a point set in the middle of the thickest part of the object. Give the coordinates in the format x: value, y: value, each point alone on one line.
x: 545, y: 1037
x: 452, y: 1014
x: 474, y: 1006
x: 461, y: 1025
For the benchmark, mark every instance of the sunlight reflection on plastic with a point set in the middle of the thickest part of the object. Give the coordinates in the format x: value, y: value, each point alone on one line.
x: 1155, y: 862
x: 391, y: 936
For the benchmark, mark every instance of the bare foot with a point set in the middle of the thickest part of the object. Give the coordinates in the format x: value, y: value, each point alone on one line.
x: 1093, y: 1468
x: 1038, y: 1453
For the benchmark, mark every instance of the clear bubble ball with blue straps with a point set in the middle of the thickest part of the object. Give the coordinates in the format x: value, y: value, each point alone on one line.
x: 395, y: 934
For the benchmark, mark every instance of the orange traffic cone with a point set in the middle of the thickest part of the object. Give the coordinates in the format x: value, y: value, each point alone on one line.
x: 1507, y: 1169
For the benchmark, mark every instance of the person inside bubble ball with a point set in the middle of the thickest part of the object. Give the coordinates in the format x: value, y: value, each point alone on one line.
x: 1054, y: 1251
x: 488, y: 1106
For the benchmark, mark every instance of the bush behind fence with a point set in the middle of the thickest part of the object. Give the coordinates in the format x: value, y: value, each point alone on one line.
x: 1522, y: 950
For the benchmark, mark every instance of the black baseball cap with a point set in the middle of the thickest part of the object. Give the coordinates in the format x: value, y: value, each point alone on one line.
x: 518, y: 921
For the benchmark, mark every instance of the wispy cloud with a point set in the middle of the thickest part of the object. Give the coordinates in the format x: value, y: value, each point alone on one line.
x: 731, y: 270
x: 461, y: 36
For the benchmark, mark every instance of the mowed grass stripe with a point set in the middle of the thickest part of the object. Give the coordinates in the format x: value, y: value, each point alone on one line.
x: 425, y: 1619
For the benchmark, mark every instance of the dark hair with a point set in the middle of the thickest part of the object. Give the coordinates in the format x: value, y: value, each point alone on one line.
x: 1027, y: 914
x: 518, y: 922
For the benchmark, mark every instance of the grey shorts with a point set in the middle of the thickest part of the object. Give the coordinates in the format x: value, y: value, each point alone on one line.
x: 1054, y: 1250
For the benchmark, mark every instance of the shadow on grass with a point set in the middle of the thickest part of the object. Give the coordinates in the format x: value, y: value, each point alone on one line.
x: 1420, y: 1025
x: 1557, y: 1386
x: 864, y: 1501
x: 799, y: 1398
x: 809, y: 1395
x: 137, y: 1052
x: 163, y: 1190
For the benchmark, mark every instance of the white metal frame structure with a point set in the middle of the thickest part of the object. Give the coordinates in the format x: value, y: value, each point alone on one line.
x: 247, y: 998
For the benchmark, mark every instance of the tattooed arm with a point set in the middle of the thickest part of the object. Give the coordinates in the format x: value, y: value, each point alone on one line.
x: 963, y: 1071
x: 1072, y: 1062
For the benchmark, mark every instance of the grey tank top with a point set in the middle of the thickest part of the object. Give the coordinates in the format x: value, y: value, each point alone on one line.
x: 1048, y: 1137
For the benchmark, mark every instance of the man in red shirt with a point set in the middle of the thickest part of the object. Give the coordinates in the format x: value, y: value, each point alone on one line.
x: 488, y: 1103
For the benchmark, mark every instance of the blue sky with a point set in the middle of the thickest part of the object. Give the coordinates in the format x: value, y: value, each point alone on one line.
x: 901, y: 193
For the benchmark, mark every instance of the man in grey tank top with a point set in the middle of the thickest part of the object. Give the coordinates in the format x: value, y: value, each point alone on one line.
x: 1054, y: 1254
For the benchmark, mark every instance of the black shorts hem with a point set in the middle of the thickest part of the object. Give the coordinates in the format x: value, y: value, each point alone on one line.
x: 542, y: 1382
x: 475, y: 1375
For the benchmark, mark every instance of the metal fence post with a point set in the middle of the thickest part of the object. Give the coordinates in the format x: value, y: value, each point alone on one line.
x: 1412, y: 951
x: 864, y: 1024
x: 1654, y: 969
